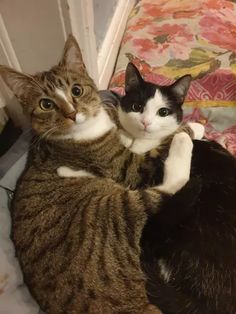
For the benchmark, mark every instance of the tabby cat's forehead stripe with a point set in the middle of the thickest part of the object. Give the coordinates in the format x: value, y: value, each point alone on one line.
x: 60, y: 83
x: 50, y: 87
x: 52, y: 81
x: 60, y: 93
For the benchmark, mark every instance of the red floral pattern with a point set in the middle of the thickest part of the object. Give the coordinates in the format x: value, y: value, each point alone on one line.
x: 169, y: 38
x: 214, y: 23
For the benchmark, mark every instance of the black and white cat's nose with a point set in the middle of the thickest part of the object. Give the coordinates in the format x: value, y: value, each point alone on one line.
x: 145, y: 123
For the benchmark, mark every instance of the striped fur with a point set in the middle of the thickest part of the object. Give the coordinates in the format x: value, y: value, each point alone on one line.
x: 78, y: 240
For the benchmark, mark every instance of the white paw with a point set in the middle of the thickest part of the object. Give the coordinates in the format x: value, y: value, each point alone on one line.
x: 65, y: 172
x: 125, y: 139
x: 198, y: 130
x: 178, y: 164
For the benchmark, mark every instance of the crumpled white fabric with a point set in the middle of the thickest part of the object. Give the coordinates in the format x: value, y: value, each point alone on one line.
x: 14, y: 295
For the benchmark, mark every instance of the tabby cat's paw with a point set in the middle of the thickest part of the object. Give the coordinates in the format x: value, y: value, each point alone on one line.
x: 178, y: 164
x: 66, y: 172
x: 125, y: 139
x: 198, y: 130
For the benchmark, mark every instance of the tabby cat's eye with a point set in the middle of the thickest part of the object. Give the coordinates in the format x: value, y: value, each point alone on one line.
x: 163, y: 112
x: 46, y: 104
x: 76, y: 90
x: 136, y: 107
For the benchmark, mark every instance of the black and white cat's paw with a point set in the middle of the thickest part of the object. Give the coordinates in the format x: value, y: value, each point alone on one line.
x: 198, y: 130
x: 125, y: 139
x: 66, y: 172
x: 178, y: 164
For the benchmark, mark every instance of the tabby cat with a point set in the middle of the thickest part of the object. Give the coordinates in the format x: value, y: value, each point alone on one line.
x: 192, y: 270
x: 78, y: 239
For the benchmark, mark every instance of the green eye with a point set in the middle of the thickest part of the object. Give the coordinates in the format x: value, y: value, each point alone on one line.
x: 76, y: 90
x: 47, y: 104
x: 136, y: 107
x: 163, y: 112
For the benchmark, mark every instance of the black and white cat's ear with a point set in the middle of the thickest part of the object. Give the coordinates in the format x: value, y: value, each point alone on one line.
x: 72, y: 56
x: 181, y: 87
x: 19, y: 83
x: 133, y: 78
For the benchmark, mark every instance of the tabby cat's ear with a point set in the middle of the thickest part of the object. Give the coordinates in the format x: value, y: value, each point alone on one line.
x: 72, y: 56
x: 133, y: 78
x: 19, y: 83
x: 181, y: 86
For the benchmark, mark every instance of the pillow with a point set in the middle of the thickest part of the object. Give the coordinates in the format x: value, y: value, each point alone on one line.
x: 166, y: 39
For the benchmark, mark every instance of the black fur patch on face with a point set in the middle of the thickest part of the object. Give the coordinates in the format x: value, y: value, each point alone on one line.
x: 173, y: 101
x: 138, y: 96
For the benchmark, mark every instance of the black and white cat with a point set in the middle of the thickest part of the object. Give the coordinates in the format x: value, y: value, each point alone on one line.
x: 149, y: 113
x: 193, y: 269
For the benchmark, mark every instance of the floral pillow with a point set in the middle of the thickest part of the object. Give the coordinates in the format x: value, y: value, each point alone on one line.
x: 166, y: 39
x: 170, y: 38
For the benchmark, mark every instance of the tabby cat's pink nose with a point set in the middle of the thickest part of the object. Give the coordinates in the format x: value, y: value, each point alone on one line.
x: 71, y: 115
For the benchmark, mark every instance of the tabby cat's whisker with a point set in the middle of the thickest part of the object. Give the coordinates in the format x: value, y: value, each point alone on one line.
x: 38, y: 139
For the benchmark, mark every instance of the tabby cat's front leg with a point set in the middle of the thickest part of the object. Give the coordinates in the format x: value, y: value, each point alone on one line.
x: 178, y: 164
x: 176, y: 168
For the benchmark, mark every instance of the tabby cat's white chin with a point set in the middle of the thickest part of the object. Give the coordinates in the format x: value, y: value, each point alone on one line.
x: 91, y: 128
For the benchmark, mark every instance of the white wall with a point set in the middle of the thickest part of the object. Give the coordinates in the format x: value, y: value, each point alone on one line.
x: 103, y: 13
x: 36, y: 31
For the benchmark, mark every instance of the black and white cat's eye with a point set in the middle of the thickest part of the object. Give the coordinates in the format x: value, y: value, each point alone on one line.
x: 136, y: 107
x: 46, y: 104
x: 76, y: 90
x: 163, y: 112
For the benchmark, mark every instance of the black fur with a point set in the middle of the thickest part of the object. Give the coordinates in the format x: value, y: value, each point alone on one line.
x: 201, y: 250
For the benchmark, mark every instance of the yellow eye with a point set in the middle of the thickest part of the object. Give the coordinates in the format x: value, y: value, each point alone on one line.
x: 76, y: 90
x: 46, y: 104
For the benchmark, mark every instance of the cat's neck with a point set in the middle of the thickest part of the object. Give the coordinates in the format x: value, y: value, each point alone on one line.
x: 84, y: 145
